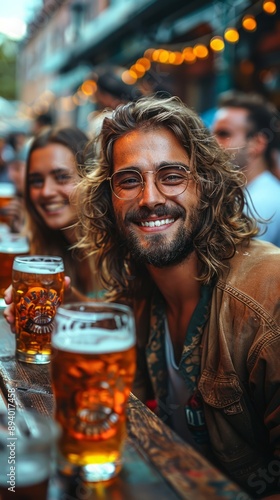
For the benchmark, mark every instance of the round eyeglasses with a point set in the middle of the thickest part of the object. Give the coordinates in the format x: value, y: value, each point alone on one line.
x: 170, y: 180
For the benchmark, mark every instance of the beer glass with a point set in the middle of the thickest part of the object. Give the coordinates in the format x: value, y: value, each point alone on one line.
x: 92, y: 367
x: 27, y: 453
x: 10, y: 246
x: 38, y: 289
x: 7, y: 193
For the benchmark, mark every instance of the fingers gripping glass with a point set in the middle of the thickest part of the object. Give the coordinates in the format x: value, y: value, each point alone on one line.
x: 170, y: 180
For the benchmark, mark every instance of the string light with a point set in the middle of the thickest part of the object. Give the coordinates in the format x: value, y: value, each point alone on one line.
x: 138, y: 69
x: 249, y: 23
x: 129, y: 77
x: 163, y: 56
x: 217, y: 44
x: 89, y: 87
x: 172, y: 58
x: 177, y: 58
x: 145, y: 62
x: 269, y: 7
x: 148, y: 54
x: 200, y: 51
x: 188, y: 55
x: 231, y: 35
x: 155, y: 55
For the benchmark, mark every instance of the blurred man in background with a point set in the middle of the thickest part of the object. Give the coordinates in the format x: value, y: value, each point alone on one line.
x: 248, y: 126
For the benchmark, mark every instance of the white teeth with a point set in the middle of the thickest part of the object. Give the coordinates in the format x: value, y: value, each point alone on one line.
x: 156, y: 223
x: 54, y: 206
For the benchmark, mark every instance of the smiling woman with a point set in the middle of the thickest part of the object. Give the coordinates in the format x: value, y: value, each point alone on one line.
x: 51, y: 176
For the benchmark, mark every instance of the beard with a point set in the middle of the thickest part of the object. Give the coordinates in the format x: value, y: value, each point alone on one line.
x: 158, y: 251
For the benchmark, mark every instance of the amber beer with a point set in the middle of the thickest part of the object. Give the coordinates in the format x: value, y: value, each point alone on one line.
x: 11, y: 245
x: 93, y: 367
x: 38, y: 289
x: 7, y: 193
x: 38, y: 490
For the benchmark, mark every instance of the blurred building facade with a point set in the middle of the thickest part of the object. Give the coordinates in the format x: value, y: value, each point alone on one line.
x: 195, y: 49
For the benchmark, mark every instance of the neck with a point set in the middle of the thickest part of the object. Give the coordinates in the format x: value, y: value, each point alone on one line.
x: 254, y: 169
x: 181, y: 290
x: 69, y: 234
x: 178, y: 284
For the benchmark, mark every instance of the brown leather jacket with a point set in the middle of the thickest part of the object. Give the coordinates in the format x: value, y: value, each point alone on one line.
x: 240, y: 368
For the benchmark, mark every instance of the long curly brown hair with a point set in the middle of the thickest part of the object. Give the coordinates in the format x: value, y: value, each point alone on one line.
x: 221, y: 184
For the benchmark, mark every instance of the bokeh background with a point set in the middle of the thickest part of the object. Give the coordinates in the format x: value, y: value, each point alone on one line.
x: 54, y: 53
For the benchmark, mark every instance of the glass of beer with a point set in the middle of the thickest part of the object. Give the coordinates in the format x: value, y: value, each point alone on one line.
x: 10, y: 246
x: 27, y: 453
x: 7, y: 193
x: 93, y: 367
x: 38, y: 289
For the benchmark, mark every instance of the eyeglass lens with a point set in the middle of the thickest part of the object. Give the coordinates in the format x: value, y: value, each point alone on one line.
x: 171, y: 180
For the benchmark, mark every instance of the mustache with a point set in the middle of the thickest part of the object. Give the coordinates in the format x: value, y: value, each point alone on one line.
x: 144, y: 213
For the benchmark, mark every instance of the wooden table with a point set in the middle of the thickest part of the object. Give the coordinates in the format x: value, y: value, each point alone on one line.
x: 158, y: 464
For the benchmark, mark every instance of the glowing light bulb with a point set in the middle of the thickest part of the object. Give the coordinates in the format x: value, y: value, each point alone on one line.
x: 217, y: 43
x: 269, y: 7
x: 231, y: 35
x: 201, y: 51
x: 189, y: 55
x: 249, y: 23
